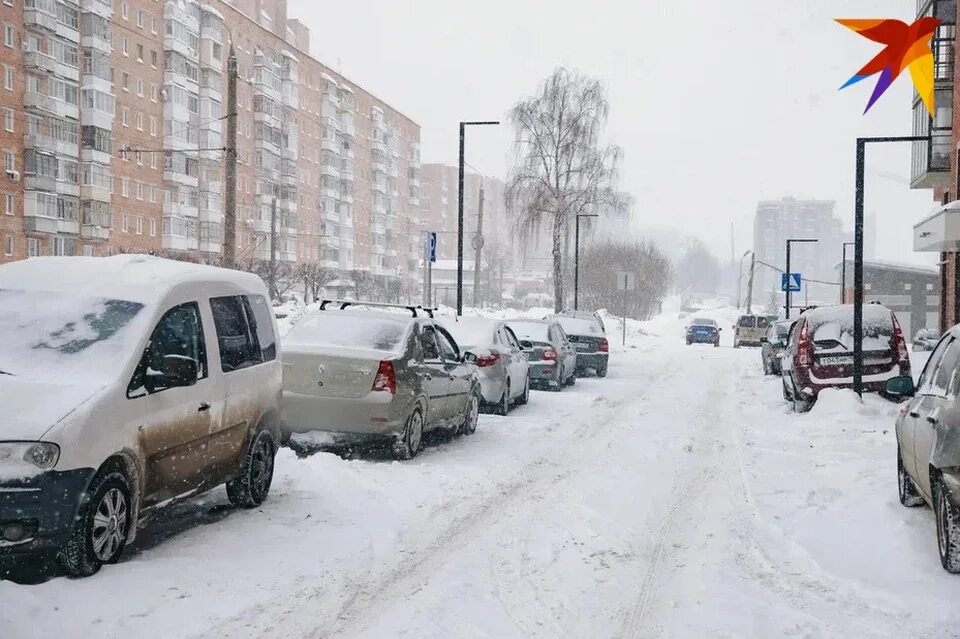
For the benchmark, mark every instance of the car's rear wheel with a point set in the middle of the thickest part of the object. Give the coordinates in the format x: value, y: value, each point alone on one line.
x: 909, y: 496
x: 503, y: 406
x: 101, y: 527
x: 472, y: 415
x: 410, y: 441
x: 948, y: 529
x: 525, y: 398
x: 802, y: 404
x: 602, y: 372
x: 572, y: 380
x: 252, y: 486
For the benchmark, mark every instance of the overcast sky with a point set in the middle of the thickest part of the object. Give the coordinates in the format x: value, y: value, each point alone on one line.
x: 716, y: 104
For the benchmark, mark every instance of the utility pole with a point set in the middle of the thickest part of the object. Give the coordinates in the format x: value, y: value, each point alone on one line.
x: 230, y: 172
x: 273, y: 247
x: 463, y: 133
x: 478, y: 246
x: 753, y: 260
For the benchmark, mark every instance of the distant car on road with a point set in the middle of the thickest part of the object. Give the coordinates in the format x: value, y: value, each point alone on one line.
x: 553, y: 360
x: 925, y: 340
x: 819, y: 352
x: 928, y: 443
x: 773, y: 344
x: 501, y: 363
x: 590, y: 341
x: 377, y: 375
x: 703, y: 330
x: 750, y: 330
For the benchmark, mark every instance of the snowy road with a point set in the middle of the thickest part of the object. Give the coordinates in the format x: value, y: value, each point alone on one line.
x: 676, y: 498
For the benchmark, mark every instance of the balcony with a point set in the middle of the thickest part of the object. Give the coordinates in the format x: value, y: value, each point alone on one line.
x: 42, y: 142
x: 94, y: 192
x: 330, y: 145
x: 39, y: 60
x: 259, y: 226
x: 32, y: 100
x: 930, y: 159
x: 176, y: 209
x: 40, y: 183
x: 331, y: 170
x: 177, y: 243
x: 38, y: 19
x: 939, y: 232
x: 93, y: 232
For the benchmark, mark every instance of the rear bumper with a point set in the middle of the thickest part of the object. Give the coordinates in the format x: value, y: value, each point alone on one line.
x: 544, y: 373
x: 491, y: 384
x: 44, y: 507
x: 377, y: 413
x: 872, y: 383
x: 702, y: 338
x: 596, y: 361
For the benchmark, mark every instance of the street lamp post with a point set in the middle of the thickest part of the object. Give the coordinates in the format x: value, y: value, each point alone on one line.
x: 463, y: 126
x: 858, y: 250
x: 740, y: 274
x: 787, y: 292
x: 576, y: 260
x: 843, y: 271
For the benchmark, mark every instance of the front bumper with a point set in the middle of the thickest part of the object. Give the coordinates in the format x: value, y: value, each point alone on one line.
x: 44, y: 506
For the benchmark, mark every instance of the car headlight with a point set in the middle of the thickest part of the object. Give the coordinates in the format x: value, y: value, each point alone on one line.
x: 42, y: 455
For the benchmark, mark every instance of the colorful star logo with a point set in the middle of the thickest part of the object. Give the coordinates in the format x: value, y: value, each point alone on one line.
x: 907, y: 46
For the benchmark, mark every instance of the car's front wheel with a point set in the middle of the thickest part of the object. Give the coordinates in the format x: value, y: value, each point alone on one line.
x: 948, y: 529
x: 101, y: 528
x: 252, y: 485
x: 907, y: 490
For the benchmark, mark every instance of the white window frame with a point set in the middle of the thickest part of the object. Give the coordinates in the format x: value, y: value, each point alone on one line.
x: 8, y: 119
x: 125, y: 223
x: 33, y: 247
x: 9, y: 77
x: 124, y: 187
x: 9, y: 35
x: 153, y: 227
x: 10, y: 204
x: 124, y: 11
x: 139, y: 225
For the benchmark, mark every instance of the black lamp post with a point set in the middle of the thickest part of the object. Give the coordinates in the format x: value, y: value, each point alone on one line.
x: 463, y: 126
x: 843, y: 270
x: 576, y: 260
x: 787, y: 292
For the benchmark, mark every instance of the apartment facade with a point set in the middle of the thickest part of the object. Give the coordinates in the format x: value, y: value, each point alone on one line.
x: 114, y: 131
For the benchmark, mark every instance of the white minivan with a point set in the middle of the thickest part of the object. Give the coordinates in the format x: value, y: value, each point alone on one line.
x: 127, y: 382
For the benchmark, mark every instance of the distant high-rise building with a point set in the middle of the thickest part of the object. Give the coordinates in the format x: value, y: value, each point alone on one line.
x: 788, y: 218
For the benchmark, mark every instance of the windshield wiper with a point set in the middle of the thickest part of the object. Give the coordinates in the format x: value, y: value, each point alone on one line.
x: 7, y: 373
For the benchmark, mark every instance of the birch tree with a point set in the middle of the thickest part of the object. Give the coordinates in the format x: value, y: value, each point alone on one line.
x: 561, y: 168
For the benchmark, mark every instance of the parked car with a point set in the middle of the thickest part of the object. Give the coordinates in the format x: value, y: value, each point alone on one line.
x: 367, y: 375
x: 553, y: 360
x: 771, y: 350
x: 128, y: 382
x: 502, y: 365
x: 928, y: 452
x: 587, y: 315
x: 819, y: 352
x: 750, y: 330
x: 589, y: 340
x: 703, y: 330
x: 925, y: 340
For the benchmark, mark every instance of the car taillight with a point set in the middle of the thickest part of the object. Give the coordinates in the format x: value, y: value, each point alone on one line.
x: 550, y: 354
x: 899, y: 344
x: 386, y: 379
x: 488, y: 360
x: 604, y: 346
x: 804, y: 347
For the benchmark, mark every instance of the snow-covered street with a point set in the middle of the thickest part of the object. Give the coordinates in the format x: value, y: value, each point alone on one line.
x: 679, y: 497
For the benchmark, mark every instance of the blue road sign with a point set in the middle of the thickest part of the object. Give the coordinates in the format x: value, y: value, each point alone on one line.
x: 790, y: 282
x: 431, y: 246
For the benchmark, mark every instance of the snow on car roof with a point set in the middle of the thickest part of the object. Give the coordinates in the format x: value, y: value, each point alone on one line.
x: 373, y: 330
x: 136, y: 278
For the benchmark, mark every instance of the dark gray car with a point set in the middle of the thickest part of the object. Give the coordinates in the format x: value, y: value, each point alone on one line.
x: 771, y: 349
x: 553, y: 360
x: 589, y: 340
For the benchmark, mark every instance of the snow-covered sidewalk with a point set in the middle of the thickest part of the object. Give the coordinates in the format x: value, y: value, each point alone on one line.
x: 678, y: 497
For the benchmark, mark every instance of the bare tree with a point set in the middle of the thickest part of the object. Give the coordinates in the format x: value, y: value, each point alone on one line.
x: 561, y: 170
x: 599, y: 265
x: 314, y: 277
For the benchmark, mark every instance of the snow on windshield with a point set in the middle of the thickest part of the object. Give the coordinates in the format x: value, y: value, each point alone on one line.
x: 576, y: 326
x: 832, y: 328
x: 44, y: 334
x: 470, y: 331
x: 533, y: 331
x: 347, y: 330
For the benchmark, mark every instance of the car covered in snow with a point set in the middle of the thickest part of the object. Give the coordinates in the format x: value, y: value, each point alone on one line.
x: 750, y: 330
x: 553, y: 359
x: 925, y: 339
x: 771, y: 350
x: 589, y: 340
x: 819, y: 352
x: 128, y: 382
x: 502, y: 365
x: 366, y: 372
x: 703, y: 330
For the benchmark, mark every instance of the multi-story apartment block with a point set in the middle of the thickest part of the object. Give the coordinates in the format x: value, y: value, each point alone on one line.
x: 114, y: 131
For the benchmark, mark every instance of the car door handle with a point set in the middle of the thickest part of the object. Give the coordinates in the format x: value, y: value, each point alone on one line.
x: 914, y: 414
x: 204, y: 406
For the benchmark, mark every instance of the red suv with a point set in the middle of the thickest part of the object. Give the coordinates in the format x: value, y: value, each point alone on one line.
x: 819, y: 352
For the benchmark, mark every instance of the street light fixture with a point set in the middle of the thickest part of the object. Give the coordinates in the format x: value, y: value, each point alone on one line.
x: 787, y: 292
x: 843, y: 270
x: 463, y: 126
x: 576, y: 260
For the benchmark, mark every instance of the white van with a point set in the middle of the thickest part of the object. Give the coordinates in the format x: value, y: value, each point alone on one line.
x: 127, y: 382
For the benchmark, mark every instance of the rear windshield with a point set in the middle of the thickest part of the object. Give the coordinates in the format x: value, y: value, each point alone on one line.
x: 334, y: 328
x: 470, y: 332
x: 576, y: 326
x: 763, y: 322
x: 832, y: 330
x: 702, y: 321
x: 532, y: 331
x: 747, y: 321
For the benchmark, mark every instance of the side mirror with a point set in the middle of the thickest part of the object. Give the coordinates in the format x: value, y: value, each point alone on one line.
x: 900, y: 387
x: 526, y: 345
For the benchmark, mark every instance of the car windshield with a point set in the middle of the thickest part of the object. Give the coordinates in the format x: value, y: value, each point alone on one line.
x: 577, y: 326
x: 531, y: 331
x: 347, y: 330
x: 51, y: 335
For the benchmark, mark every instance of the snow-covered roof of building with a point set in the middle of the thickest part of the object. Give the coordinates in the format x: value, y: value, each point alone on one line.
x: 894, y: 266
x: 136, y: 278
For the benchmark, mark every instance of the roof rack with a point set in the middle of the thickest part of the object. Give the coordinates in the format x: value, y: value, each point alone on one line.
x: 347, y: 303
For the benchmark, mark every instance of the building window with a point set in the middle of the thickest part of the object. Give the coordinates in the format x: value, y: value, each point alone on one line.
x: 8, y: 245
x: 139, y: 87
x: 139, y: 53
x: 59, y: 246
x: 153, y: 24
x: 9, y: 161
x: 153, y: 59
x: 125, y: 81
x: 153, y: 93
x: 124, y: 187
x: 125, y: 47
x: 140, y: 20
x: 139, y: 225
x: 8, y: 77
x: 139, y: 121
x: 153, y: 126
x: 125, y: 116
x: 123, y: 11
x: 153, y: 160
x: 88, y: 250
x: 125, y: 223
x: 10, y: 204
x: 140, y: 187
x: 8, y: 119
x: 153, y: 228
x: 33, y: 247
x: 8, y: 35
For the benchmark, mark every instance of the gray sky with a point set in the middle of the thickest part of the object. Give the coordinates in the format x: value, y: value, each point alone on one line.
x: 716, y: 104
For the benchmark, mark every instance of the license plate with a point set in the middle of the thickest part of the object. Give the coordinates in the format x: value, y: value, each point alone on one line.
x: 836, y: 361
x: 583, y: 347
